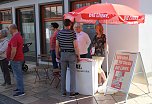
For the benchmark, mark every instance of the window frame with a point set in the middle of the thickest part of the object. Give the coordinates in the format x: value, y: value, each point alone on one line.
x: 8, y: 21
x: 73, y: 3
x: 43, y: 20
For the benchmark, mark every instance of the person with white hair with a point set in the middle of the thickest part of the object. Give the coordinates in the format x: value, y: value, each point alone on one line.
x: 83, y: 40
x: 16, y: 57
x: 3, y: 59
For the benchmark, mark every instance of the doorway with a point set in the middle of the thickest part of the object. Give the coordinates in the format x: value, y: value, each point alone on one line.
x: 26, y: 25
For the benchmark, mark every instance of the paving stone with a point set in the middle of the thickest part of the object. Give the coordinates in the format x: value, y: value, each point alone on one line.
x: 6, y: 100
x: 48, y: 100
x: 144, y: 99
x: 101, y: 97
x: 110, y: 101
x: 88, y: 100
x: 43, y: 93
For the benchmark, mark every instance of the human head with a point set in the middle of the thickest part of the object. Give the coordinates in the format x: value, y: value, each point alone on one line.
x: 54, y: 26
x: 99, y: 29
x: 77, y: 27
x: 67, y: 23
x: 13, y: 28
x: 3, y: 33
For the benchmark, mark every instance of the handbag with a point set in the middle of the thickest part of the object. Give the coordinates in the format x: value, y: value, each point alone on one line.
x: 92, y: 51
x: 25, y: 48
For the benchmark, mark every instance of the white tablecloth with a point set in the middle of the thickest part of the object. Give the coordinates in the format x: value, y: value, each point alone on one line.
x: 86, y: 77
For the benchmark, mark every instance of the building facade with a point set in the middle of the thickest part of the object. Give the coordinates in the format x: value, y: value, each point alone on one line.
x: 33, y: 18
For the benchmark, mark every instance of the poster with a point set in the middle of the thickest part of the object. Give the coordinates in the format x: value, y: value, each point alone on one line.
x: 122, y: 66
x: 121, y: 71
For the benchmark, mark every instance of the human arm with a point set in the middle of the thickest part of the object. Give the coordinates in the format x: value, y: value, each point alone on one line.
x: 106, y: 46
x: 75, y: 42
x: 3, y: 47
x: 88, y: 41
x: 57, y: 49
x: 76, y: 48
x: 13, y: 52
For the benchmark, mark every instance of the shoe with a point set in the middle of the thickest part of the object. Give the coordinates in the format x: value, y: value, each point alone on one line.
x: 4, y: 84
x: 72, y: 95
x: 8, y: 86
x: 64, y: 94
x: 19, y: 94
x: 76, y: 93
x: 16, y: 90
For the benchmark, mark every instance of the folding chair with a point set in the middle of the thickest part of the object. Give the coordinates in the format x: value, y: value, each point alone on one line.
x: 42, y: 67
x: 56, y: 74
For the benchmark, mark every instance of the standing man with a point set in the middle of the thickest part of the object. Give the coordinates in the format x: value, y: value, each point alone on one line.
x: 67, y: 43
x: 83, y: 40
x: 16, y: 57
x: 54, y: 29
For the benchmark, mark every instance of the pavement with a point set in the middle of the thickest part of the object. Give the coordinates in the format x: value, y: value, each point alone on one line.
x: 43, y: 93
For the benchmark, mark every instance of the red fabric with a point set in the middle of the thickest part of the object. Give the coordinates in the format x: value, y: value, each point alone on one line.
x: 53, y: 40
x: 16, y: 41
x: 106, y: 13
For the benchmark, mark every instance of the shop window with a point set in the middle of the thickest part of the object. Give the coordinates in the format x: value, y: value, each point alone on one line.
x: 5, y: 18
x: 49, y: 14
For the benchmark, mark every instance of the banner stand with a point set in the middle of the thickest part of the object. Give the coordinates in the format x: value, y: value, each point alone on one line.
x: 126, y: 67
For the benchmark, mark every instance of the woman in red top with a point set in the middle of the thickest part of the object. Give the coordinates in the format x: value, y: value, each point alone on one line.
x: 54, y: 29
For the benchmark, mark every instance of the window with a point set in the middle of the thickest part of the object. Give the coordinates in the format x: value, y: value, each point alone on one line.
x: 5, y: 18
x: 78, y: 4
x: 88, y: 28
x: 49, y: 14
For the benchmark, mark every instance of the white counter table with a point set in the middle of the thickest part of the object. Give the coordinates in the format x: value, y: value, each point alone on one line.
x: 86, y: 77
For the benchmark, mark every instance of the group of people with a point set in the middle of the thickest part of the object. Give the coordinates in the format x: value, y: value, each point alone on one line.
x: 70, y: 44
x: 67, y: 45
x: 12, y: 51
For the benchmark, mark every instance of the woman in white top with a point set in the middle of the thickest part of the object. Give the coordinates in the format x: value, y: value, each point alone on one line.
x: 3, y: 59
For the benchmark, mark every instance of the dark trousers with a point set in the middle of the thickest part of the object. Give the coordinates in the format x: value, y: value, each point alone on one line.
x: 83, y: 56
x: 53, y: 55
x: 5, y: 70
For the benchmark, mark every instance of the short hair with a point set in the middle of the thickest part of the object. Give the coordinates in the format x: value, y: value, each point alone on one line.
x: 67, y: 22
x: 13, y: 26
x: 4, y: 32
x: 78, y: 25
x: 55, y: 25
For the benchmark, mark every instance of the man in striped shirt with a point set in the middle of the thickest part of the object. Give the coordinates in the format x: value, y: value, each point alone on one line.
x: 67, y: 43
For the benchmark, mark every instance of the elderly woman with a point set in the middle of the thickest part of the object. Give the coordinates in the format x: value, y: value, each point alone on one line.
x: 3, y: 60
x: 99, y: 46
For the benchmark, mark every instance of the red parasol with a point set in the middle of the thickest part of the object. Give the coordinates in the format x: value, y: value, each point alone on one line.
x: 106, y: 13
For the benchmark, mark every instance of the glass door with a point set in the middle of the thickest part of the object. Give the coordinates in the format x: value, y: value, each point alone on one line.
x: 26, y: 25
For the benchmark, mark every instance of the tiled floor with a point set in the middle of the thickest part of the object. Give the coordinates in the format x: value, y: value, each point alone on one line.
x: 43, y: 93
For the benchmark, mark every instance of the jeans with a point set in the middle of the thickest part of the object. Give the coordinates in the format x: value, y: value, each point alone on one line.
x: 68, y: 58
x: 18, y: 74
x: 53, y: 55
x: 5, y: 70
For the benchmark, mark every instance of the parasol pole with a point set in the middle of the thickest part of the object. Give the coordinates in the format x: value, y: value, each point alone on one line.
x: 107, y: 48
x: 107, y: 59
